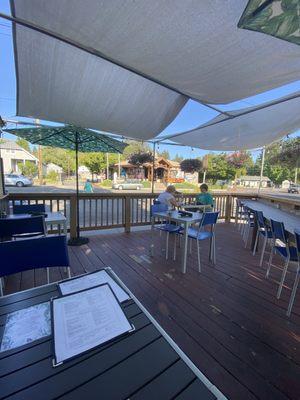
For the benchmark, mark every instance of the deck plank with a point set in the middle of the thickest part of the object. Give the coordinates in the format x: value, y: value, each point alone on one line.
x: 226, y: 319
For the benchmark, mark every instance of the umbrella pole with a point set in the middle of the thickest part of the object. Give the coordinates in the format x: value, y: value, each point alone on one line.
x: 78, y: 241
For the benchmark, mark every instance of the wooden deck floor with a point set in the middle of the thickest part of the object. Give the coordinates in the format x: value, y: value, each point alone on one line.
x: 226, y: 319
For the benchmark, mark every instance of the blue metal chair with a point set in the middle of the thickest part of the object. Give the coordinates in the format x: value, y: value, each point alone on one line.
x: 264, y: 231
x: 248, y: 225
x: 297, y: 277
x: 209, y: 219
x: 28, y: 208
x: 165, y: 227
x: 23, y: 255
x: 22, y: 227
x: 281, y: 246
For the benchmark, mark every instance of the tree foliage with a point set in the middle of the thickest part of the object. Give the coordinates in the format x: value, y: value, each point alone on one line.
x: 140, y: 158
x: 23, y: 143
x: 135, y: 147
x: 219, y: 168
x: 191, y: 165
x: 164, y: 154
x: 28, y: 169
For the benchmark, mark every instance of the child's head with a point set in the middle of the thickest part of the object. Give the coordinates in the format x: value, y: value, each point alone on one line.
x: 204, y: 188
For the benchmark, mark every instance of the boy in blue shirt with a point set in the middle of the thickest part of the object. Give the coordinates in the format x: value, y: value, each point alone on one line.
x: 204, y: 197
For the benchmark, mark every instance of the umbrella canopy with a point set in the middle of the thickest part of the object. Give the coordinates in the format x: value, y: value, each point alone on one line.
x: 74, y: 138
x: 70, y: 137
x: 278, y: 18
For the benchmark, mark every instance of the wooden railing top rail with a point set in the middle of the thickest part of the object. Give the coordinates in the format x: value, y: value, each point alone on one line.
x: 64, y: 195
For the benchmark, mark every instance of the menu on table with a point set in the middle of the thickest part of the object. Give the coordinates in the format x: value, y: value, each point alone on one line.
x: 26, y: 325
x: 84, y: 320
x: 91, y: 280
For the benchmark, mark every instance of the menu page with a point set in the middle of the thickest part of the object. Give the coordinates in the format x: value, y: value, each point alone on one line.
x: 86, y: 319
x: 90, y: 280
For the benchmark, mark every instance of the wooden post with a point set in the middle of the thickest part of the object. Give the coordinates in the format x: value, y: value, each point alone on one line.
x: 127, y: 210
x: 119, y: 165
x: 107, y: 167
x: 73, y: 216
x: 228, y: 208
x: 153, y: 167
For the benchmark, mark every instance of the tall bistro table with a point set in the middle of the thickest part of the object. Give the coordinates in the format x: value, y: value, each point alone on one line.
x: 291, y: 221
x: 53, y: 218
x: 186, y: 222
x: 145, y: 364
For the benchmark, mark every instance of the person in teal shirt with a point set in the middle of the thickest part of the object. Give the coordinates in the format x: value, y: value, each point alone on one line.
x: 88, y: 187
x: 204, y: 197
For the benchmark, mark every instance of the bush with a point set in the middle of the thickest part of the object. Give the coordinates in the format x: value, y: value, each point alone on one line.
x: 52, y: 176
x: 106, y: 183
x: 146, y: 184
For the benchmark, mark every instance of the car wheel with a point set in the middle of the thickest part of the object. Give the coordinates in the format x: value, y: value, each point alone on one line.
x: 120, y: 187
x: 19, y: 184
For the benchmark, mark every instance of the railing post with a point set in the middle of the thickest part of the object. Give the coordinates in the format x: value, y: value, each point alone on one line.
x: 127, y: 214
x: 73, y: 216
x: 228, y: 208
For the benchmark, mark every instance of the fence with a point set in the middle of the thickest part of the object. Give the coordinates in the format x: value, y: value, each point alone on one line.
x: 112, y: 210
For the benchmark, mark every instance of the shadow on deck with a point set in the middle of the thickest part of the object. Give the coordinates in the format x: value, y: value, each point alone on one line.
x: 226, y: 319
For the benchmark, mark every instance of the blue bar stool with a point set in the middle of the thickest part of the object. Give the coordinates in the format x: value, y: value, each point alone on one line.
x: 297, y: 277
x: 281, y: 246
x: 264, y: 231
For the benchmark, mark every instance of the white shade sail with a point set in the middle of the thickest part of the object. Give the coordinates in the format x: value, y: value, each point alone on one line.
x: 148, y: 58
x: 248, y: 131
x: 191, y: 45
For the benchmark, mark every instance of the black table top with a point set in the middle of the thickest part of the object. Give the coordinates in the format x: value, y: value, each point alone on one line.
x: 142, y: 365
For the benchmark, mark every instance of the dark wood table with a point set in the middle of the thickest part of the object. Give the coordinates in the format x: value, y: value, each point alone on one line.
x: 146, y: 364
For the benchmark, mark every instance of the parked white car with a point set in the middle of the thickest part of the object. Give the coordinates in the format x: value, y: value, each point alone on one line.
x: 128, y: 184
x: 17, y: 180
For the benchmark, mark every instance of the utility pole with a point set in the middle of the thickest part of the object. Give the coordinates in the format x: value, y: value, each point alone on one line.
x: 262, y: 168
x: 153, y: 166
x: 40, y: 157
x: 119, y: 165
x: 107, y: 167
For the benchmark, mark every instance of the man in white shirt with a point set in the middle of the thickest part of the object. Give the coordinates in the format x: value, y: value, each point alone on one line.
x: 167, y: 197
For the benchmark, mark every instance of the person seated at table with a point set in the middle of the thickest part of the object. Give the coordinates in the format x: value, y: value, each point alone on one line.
x: 168, y: 197
x: 204, y: 198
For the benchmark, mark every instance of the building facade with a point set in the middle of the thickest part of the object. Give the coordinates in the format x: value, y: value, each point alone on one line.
x: 12, y: 154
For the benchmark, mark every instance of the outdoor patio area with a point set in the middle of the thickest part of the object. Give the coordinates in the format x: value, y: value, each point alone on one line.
x: 226, y: 319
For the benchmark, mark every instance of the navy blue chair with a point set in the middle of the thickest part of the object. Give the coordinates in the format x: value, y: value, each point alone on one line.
x: 209, y: 219
x: 22, y: 227
x: 281, y: 246
x: 27, y: 254
x: 248, y: 225
x: 28, y: 208
x: 264, y: 231
x: 297, y: 277
x: 164, y: 227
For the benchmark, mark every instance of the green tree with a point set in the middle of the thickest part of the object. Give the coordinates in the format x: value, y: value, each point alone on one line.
x: 219, y: 168
x: 28, y: 169
x: 164, y: 154
x: 23, y: 143
x: 135, y: 147
x: 177, y: 158
x: 62, y: 157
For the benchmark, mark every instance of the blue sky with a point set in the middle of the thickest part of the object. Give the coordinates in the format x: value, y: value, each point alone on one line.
x: 192, y: 115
